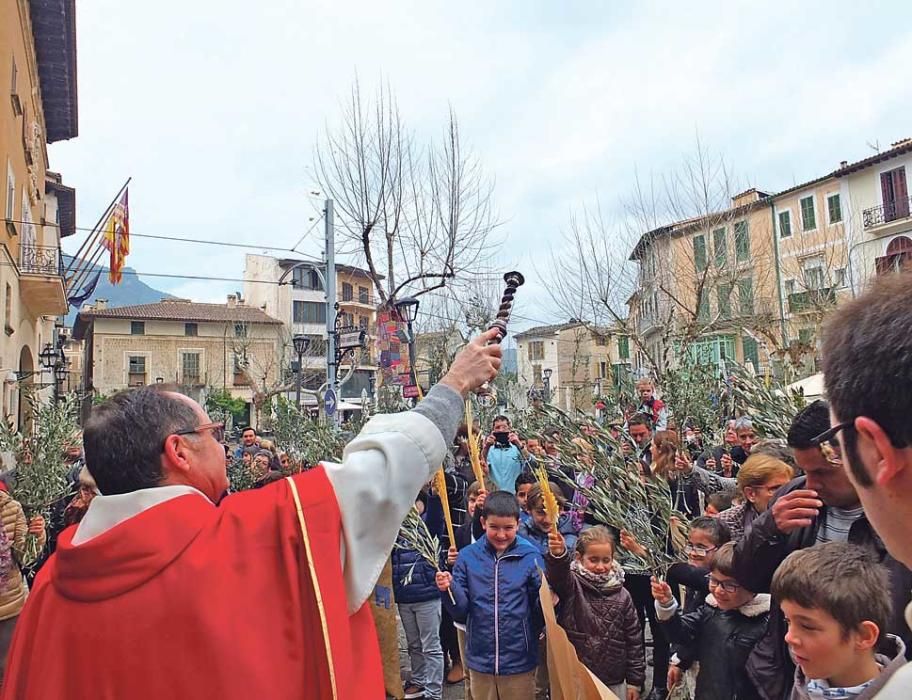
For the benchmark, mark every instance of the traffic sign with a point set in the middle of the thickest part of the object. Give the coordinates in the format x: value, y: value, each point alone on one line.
x: 410, y: 392
x: 329, y: 402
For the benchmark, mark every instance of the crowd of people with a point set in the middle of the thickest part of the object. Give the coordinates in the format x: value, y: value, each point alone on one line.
x: 792, y: 581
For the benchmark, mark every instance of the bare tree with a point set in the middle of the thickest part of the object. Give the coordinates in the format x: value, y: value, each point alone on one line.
x: 418, y: 216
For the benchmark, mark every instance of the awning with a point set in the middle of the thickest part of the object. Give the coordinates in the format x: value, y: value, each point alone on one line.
x: 812, y: 386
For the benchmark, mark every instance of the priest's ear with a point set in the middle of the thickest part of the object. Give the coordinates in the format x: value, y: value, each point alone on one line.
x: 176, y: 457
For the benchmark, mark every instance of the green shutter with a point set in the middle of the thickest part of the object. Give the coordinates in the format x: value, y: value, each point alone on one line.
x: 720, y: 249
x: 835, y: 208
x: 699, y: 245
x: 751, y: 352
x: 703, y: 305
x: 623, y: 347
x: 742, y: 242
x: 785, y: 224
x: 746, y: 297
x: 724, y: 293
x: 808, y: 217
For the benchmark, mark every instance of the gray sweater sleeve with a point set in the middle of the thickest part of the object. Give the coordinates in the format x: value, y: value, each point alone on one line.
x: 444, y: 407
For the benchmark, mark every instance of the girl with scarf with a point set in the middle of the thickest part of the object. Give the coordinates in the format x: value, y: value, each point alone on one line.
x: 596, y: 610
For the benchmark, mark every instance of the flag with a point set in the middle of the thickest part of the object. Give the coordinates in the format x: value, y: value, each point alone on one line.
x: 117, y: 237
x: 77, y: 300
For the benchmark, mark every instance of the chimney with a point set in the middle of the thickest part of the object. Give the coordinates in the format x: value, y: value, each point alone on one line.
x: 232, y: 301
x: 843, y: 164
x: 101, y: 304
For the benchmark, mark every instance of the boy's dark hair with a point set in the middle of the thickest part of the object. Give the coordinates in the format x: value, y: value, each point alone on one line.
x: 524, y: 478
x: 724, y: 562
x: 808, y: 424
x: 844, y: 580
x: 715, y: 528
x: 866, y: 359
x: 502, y: 504
x: 500, y: 417
x: 720, y: 501
x: 639, y: 419
x: 535, y: 499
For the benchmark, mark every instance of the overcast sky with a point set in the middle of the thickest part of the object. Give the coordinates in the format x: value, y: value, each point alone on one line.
x: 214, y: 107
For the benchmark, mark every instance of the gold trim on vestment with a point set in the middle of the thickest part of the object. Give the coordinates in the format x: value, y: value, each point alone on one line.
x: 316, y: 584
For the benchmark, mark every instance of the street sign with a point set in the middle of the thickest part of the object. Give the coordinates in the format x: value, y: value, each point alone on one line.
x: 410, y: 392
x: 329, y: 402
x: 352, y: 339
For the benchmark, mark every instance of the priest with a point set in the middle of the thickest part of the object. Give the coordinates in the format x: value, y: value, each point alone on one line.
x: 166, y: 589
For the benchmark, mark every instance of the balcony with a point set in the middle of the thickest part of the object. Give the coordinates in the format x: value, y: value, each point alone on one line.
x: 359, y: 301
x: 811, y: 300
x: 41, y: 280
x: 889, y: 211
x: 646, y: 324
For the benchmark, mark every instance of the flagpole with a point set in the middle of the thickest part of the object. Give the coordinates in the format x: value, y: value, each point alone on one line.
x: 85, y: 273
x: 93, y: 236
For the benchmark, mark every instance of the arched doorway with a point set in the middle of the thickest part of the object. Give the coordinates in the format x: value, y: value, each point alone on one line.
x: 26, y: 372
x: 898, y: 256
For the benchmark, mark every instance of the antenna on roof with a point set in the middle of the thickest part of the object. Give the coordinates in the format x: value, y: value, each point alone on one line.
x: 874, y: 146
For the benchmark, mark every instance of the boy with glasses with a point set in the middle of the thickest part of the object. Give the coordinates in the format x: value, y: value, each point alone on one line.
x: 722, y: 631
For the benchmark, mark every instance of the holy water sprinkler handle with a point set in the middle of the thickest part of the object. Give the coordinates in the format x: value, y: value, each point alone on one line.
x: 487, y: 397
x: 514, y: 280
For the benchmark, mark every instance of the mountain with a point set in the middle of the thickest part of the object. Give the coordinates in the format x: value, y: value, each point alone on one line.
x: 131, y: 290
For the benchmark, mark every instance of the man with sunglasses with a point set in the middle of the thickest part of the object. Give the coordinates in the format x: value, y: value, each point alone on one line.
x: 820, y: 506
x: 161, y: 593
x: 867, y: 363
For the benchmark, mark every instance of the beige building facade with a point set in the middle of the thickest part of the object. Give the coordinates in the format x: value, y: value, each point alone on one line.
x: 199, y: 347
x: 39, y: 106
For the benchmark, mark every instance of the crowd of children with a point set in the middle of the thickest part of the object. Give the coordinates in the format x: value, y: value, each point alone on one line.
x: 705, y: 617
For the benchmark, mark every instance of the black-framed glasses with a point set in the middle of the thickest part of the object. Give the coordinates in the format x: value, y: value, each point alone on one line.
x: 831, y: 450
x: 217, y: 430
x: 727, y: 586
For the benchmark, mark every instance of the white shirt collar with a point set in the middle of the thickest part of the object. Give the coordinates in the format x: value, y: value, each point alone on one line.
x: 106, y: 512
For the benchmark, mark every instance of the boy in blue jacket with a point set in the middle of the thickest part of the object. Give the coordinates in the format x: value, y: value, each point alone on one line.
x: 495, y: 585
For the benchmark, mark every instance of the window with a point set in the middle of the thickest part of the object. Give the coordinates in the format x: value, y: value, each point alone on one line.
x: 699, y: 245
x: 806, y: 336
x: 240, y: 364
x: 317, y: 347
x: 536, y: 375
x: 309, y: 312
x: 14, y: 77
x: 136, y: 370
x: 603, y: 370
x: 808, y: 214
x: 746, y: 297
x: 362, y: 322
x: 601, y: 340
x: 240, y: 329
x: 190, y: 367
x: 347, y: 292
x: 751, y: 352
x: 363, y: 295
x: 8, y: 310
x: 724, y: 293
x: 137, y: 327
x: 306, y: 278
x: 720, y: 247
x: 834, y: 208
x: 813, y: 272
x: 537, y: 350
x: 712, y: 350
x: 10, y: 192
x: 895, y: 194
x: 789, y: 286
x: 785, y: 224
x: 742, y: 241
x: 839, y: 277
x: 623, y: 347
x: 191, y: 329
x: 703, y: 305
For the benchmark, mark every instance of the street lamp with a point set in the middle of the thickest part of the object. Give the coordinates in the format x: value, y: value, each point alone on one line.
x: 48, y: 356
x: 408, y: 311
x: 301, y: 343
x: 546, y: 377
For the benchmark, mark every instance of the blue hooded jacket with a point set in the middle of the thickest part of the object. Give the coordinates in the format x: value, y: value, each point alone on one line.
x: 539, y: 538
x: 497, y: 598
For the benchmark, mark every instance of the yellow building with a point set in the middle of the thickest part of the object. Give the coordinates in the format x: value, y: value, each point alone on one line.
x: 39, y: 106
x: 709, y: 282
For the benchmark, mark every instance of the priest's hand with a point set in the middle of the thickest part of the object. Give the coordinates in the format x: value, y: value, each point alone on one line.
x: 443, y: 580
x: 477, y: 363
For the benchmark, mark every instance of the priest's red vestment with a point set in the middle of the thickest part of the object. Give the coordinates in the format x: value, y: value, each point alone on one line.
x: 198, y: 601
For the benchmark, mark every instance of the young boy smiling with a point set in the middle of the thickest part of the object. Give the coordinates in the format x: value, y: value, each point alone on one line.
x: 836, y: 600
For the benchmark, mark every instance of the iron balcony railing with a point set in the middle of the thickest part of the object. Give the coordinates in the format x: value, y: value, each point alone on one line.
x: 40, y: 260
x: 887, y: 212
x: 811, y: 300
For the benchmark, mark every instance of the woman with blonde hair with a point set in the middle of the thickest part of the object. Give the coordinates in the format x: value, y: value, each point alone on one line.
x: 758, y: 480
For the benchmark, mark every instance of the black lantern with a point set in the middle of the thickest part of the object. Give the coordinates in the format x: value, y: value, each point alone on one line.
x: 408, y: 309
x: 48, y: 356
x: 301, y: 343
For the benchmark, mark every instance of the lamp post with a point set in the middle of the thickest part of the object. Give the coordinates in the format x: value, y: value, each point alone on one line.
x: 546, y: 378
x: 301, y: 343
x: 407, y: 308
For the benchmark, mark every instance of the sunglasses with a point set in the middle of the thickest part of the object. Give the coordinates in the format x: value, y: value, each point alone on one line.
x: 217, y: 430
x: 832, y: 450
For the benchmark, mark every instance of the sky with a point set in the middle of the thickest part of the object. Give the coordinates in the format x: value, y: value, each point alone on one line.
x: 214, y: 109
